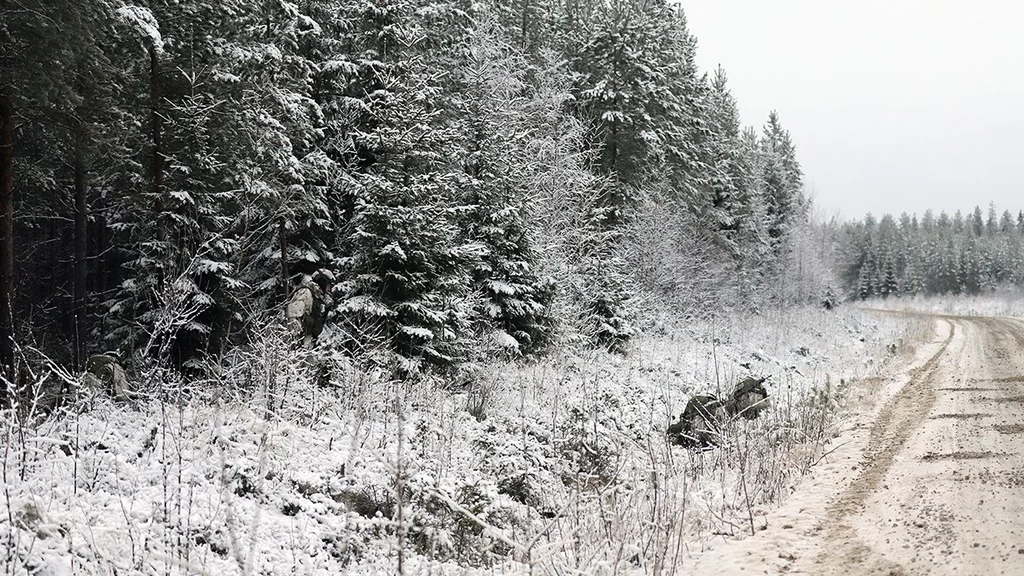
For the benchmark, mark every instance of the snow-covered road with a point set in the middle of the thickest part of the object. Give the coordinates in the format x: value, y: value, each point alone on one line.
x: 928, y: 479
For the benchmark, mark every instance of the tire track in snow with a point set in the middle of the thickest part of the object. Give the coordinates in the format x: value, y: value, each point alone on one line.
x: 889, y: 434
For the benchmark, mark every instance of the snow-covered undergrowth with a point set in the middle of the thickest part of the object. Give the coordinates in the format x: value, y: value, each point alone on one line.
x: 1004, y: 301
x: 556, y: 466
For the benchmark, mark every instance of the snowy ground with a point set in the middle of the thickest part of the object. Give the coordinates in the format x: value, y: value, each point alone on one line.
x: 558, y: 466
x: 925, y: 477
x: 1003, y: 302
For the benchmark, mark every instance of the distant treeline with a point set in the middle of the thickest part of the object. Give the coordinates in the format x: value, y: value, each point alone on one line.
x: 933, y: 255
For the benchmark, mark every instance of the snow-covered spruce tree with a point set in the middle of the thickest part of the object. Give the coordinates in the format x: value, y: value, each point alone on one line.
x: 914, y: 277
x: 134, y: 215
x: 692, y: 135
x: 622, y: 86
x: 730, y: 208
x: 182, y: 293
x: 992, y: 220
x: 602, y: 277
x: 782, y: 180
x: 495, y: 160
x: 286, y: 224
x: 406, y: 276
x: 630, y: 81
x: 755, y: 256
x: 946, y: 262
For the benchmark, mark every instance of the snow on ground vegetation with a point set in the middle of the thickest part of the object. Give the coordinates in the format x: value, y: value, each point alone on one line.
x: 559, y: 465
x: 1003, y: 301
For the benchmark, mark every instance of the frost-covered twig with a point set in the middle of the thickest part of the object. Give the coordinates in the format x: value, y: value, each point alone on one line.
x: 496, y: 532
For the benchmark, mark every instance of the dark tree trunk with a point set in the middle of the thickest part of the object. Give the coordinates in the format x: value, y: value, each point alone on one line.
x: 80, y: 262
x: 282, y: 236
x: 6, y: 229
x: 156, y: 121
x: 100, y: 280
x: 157, y: 125
x: 524, y: 28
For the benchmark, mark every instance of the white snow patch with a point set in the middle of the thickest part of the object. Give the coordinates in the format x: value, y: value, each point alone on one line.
x: 144, y: 22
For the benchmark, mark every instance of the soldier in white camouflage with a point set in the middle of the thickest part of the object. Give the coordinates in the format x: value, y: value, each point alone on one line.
x: 307, y: 308
x: 104, y: 374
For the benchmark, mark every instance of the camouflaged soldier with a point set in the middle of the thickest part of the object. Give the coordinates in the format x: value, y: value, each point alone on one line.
x: 700, y: 423
x: 305, y: 313
x: 749, y: 399
x: 104, y: 374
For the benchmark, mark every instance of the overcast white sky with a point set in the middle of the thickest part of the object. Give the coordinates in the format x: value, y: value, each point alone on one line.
x: 894, y: 105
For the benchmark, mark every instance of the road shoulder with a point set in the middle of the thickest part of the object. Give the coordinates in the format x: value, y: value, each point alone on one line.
x: 795, y: 533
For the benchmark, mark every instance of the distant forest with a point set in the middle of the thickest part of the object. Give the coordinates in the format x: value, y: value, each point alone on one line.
x: 478, y: 178
x: 934, y: 255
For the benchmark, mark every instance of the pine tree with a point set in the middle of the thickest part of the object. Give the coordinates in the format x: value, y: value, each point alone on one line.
x: 992, y: 222
x: 757, y: 239
x: 12, y: 49
x: 688, y: 130
x: 182, y: 286
x: 731, y: 181
x: 286, y: 174
x: 1007, y: 226
x: 64, y: 92
x: 529, y: 25
x: 976, y: 221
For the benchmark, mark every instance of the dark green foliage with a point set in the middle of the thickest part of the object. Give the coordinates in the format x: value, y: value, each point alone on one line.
x: 634, y: 84
x: 782, y: 178
x: 406, y: 273
x: 466, y: 173
x: 606, y: 298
